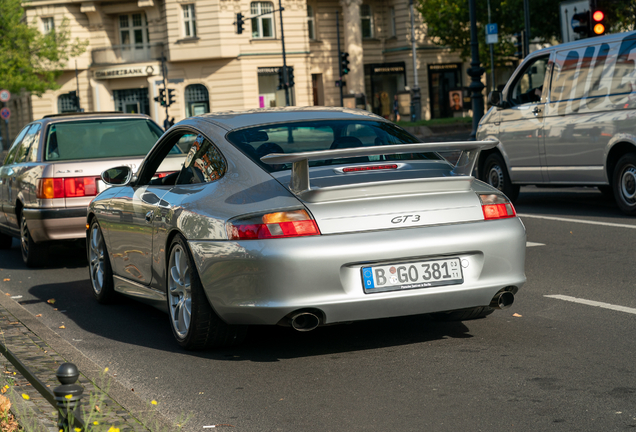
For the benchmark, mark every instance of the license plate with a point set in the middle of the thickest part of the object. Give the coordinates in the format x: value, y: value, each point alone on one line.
x: 421, y: 274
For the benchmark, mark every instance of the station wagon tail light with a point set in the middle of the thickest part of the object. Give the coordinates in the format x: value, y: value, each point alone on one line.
x: 71, y: 187
x: 496, y: 206
x: 296, y: 223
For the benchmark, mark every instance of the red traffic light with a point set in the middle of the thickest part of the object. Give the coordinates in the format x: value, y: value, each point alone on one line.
x: 598, y: 16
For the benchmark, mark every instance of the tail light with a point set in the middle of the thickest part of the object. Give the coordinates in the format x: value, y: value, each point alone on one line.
x: 496, y: 206
x: 370, y: 168
x: 295, y: 223
x: 70, y: 187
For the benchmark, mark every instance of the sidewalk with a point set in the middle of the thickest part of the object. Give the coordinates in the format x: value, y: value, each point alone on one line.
x: 42, y: 351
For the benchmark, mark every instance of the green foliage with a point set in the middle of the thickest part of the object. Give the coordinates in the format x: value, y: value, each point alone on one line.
x: 30, y: 60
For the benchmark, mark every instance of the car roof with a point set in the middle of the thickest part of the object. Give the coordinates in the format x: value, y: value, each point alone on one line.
x: 58, y: 118
x: 585, y: 42
x: 230, y: 120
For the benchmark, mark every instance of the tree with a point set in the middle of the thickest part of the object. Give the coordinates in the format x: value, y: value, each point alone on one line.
x: 30, y: 60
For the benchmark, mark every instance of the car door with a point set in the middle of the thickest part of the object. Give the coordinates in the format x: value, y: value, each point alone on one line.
x: 6, y: 173
x: 521, y: 123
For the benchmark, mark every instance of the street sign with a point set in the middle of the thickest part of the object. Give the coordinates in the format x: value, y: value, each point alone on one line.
x: 492, y: 33
x: 5, y: 95
x: 5, y: 113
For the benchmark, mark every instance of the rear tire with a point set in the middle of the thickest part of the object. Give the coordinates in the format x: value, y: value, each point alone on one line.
x: 33, y: 254
x: 194, y: 323
x: 495, y: 173
x: 464, y: 314
x: 5, y: 241
x: 624, y: 184
x: 101, y: 272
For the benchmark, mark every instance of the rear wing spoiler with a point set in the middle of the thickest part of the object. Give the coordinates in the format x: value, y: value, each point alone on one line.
x: 299, y: 181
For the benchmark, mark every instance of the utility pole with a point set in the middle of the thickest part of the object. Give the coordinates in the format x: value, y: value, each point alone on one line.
x: 339, y: 58
x: 164, y: 74
x: 416, y: 100
x: 77, y: 87
x: 526, y: 15
x: 475, y: 72
x: 282, y: 38
x: 492, y: 57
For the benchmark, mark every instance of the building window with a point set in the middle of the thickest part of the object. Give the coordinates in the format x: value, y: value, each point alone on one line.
x: 48, y: 25
x: 311, y: 23
x: 189, y: 21
x: 263, y: 25
x: 67, y: 103
x: 392, y: 27
x: 367, y: 21
x: 197, y: 100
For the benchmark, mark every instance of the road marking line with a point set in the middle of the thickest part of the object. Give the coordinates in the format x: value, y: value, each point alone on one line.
x: 532, y: 244
x: 577, y: 221
x: 593, y: 303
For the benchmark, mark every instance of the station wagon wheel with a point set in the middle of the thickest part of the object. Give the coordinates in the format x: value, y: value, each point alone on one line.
x: 99, y: 265
x: 194, y: 323
x: 496, y: 175
x: 33, y: 254
x: 625, y: 184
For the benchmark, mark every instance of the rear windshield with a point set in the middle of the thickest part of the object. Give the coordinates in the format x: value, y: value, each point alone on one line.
x: 296, y: 137
x: 96, y: 139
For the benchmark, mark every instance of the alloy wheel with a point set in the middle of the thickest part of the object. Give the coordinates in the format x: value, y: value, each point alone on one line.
x: 96, y: 258
x: 179, y: 291
x: 25, y: 237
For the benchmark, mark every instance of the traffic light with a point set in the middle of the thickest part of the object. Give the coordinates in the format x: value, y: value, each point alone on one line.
x: 161, y: 98
x: 581, y: 23
x: 281, y: 79
x: 170, y: 97
x: 240, y: 23
x: 598, y: 23
x: 290, y: 76
x: 344, y: 61
x: 518, y: 44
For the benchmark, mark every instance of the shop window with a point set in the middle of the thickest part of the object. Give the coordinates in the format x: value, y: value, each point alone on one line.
x: 189, y: 21
x: 311, y: 23
x: 262, y: 25
x: 67, y: 103
x: 392, y: 27
x: 197, y: 100
x: 48, y: 25
x: 367, y: 21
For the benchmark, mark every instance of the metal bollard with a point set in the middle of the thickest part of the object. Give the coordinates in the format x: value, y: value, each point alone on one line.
x: 67, y: 395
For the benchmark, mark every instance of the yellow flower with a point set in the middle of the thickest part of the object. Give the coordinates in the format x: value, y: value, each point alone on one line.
x: 77, y: 430
x: 154, y: 402
x: 68, y: 396
x: 113, y: 429
x: 25, y: 396
x: 106, y: 370
x: 95, y: 422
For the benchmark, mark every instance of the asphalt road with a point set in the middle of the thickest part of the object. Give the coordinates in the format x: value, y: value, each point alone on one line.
x: 561, y: 358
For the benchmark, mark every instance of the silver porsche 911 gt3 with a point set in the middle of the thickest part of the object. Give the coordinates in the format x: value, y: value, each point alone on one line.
x: 302, y: 217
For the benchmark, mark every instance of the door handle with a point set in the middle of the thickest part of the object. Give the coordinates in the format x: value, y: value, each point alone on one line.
x: 536, y: 111
x: 149, y: 216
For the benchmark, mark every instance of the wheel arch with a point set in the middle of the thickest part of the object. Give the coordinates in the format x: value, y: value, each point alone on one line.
x: 483, y: 155
x: 617, y: 151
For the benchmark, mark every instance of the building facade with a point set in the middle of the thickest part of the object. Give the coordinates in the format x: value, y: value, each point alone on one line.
x: 210, y: 66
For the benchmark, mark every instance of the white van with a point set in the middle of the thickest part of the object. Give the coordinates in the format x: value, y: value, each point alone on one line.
x: 567, y: 117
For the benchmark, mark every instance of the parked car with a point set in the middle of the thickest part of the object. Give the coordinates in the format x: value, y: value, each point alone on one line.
x: 567, y: 116
x: 302, y: 217
x: 52, y: 171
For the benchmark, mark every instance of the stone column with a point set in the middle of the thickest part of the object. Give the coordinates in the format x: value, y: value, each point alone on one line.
x: 353, y: 45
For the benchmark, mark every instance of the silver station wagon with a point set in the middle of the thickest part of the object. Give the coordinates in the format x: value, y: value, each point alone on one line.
x: 302, y: 217
x: 52, y: 172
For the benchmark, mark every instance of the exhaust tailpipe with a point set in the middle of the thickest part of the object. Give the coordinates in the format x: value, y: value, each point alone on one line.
x: 304, y: 321
x: 502, y: 300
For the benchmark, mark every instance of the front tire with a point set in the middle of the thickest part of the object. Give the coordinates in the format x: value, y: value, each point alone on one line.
x: 99, y: 266
x: 194, y: 323
x: 33, y: 254
x: 625, y: 184
x: 495, y: 173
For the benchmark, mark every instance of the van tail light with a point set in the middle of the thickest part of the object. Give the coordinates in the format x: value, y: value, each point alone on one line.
x: 70, y: 187
x: 296, y: 223
x: 496, y: 206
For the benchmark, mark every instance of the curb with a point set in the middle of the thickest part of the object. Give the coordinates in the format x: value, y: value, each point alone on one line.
x: 42, y: 350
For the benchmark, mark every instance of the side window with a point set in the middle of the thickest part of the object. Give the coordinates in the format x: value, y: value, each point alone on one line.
x: 32, y: 155
x: 14, y: 148
x: 31, y: 139
x: 203, y: 163
x: 529, y: 84
x: 624, y: 77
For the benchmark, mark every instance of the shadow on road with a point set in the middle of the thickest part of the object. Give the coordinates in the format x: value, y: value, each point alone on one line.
x: 59, y: 255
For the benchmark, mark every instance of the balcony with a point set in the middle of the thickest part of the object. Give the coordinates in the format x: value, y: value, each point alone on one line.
x: 121, y: 54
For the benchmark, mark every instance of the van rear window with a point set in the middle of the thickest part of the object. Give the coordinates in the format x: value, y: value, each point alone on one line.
x: 97, y: 139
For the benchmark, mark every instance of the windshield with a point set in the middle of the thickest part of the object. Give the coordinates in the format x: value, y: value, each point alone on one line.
x: 296, y: 137
x: 96, y: 139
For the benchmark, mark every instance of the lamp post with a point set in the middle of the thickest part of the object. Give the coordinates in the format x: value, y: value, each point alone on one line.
x: 475, y: 72
x: 416, y: 105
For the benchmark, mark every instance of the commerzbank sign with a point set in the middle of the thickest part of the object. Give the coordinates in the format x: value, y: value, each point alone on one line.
x: 125, y: 72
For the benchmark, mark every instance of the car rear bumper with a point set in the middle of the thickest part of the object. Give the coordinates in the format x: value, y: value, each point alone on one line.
x: 56, y: 224
x: 262, y: 281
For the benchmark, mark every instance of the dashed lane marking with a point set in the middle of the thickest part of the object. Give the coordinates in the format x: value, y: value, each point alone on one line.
x: 583, y: 221
x: 532, y: 244
x: 593, y: 303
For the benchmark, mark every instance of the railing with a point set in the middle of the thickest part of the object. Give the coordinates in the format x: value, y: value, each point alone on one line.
x: 118, y: 54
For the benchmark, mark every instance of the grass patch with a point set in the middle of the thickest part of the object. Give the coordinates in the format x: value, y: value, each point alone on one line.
x: 437, y: 122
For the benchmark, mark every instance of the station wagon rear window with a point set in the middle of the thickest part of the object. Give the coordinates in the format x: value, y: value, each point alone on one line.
x: 295, y: 137
x: 97, y: 139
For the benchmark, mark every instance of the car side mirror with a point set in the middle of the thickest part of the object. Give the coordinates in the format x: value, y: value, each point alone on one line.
x: 118, y: 176
x: 495, y: 98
